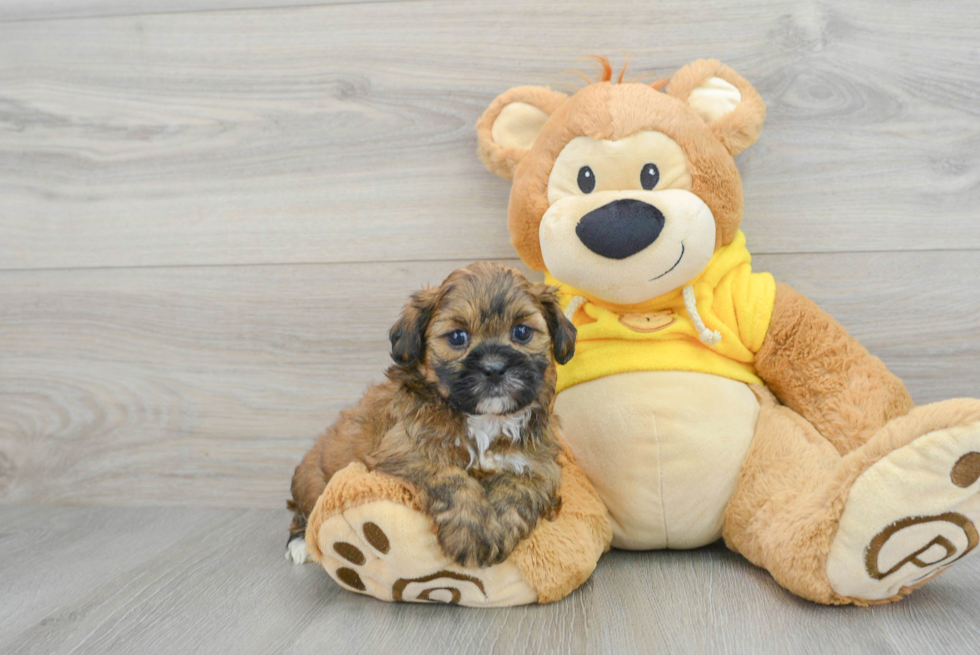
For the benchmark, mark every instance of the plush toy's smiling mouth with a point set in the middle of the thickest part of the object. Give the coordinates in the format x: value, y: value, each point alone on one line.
x: 672, y: 267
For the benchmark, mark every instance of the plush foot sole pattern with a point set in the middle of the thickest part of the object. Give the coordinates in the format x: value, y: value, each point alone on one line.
x: 389, y: 551
x: 909, y: 516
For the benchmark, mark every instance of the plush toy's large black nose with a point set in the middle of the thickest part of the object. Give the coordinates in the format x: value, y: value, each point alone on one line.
x: 621, y: 228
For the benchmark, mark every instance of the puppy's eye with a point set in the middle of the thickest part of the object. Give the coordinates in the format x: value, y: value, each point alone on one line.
x: 458, y: 338
x: 521, y: 333
x: 649, y: 176
x: 586, y: 179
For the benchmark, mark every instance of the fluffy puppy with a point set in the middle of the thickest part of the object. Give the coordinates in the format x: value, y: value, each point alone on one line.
x: 464, y: 416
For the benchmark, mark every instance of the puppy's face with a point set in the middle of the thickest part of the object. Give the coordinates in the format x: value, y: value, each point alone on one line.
x: 486, y: 339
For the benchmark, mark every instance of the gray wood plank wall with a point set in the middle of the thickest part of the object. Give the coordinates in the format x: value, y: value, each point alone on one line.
x: 30, y: 10
x: 210, y: 212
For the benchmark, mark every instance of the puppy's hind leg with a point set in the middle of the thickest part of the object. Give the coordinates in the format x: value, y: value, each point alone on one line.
x: 309, y: 481
x: 296, y: 544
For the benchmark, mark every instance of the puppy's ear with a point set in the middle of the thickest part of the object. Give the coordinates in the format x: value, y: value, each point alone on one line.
x: 407, y: 335
x: 560, y: 328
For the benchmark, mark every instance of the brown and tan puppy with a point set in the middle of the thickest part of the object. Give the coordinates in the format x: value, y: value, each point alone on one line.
x: 464, y: 415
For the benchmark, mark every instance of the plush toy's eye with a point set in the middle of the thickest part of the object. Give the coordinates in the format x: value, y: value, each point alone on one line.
x: 458, y: 338
x: 649, y: 176
x: 586, y: 179
x: 521, y: 333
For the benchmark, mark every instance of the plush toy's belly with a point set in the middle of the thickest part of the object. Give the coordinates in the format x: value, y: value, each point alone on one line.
x: 663, y: 449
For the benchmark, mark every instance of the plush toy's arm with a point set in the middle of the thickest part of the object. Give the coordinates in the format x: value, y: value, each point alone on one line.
x: 369, y: 532
x: 815, y: 368
x: 560, y: 555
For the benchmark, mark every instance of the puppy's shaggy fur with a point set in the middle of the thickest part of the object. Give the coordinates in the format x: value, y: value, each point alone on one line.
x: 464, y: 415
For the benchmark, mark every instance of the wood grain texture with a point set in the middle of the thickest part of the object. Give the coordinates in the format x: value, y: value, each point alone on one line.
x: 204, y: 386
x: 160, y: 580
x: 32, y: 10
x: 189, y: 385
x: 345, y: 132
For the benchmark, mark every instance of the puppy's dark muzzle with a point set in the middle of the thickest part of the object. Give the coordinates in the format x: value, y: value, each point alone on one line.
x: 493, y: 361
x: 621, y: 228
x: 494, y: 370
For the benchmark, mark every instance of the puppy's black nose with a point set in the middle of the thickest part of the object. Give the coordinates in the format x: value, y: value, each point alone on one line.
x: 620, y: 228
x: 494, y: 369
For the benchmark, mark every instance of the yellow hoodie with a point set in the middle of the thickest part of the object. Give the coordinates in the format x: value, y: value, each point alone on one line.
x: 660, y: 335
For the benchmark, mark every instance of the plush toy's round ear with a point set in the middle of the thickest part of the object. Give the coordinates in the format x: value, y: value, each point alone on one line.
x: 511, y: 123
x: 726, y: 101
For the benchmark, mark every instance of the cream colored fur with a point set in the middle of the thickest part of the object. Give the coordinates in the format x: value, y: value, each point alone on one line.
x: 518, y: 125
x: 617, y: 164
x: 714, y: 99
x: 664, y: 468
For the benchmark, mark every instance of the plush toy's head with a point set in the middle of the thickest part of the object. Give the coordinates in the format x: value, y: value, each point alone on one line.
x: 622, y: 190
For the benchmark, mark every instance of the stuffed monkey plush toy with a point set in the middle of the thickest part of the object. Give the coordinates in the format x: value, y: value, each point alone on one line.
x: 704, y: 400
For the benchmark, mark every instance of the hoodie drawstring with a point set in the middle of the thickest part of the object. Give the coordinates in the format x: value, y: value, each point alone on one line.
x: 710, y: 338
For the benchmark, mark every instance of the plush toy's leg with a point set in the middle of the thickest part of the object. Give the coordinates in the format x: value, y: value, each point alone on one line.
x: 369, y: 534
x: 867, y: 527
x: 816, y: 368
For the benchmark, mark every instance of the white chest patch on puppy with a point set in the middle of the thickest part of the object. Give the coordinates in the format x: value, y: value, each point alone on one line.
x: 484, y: 429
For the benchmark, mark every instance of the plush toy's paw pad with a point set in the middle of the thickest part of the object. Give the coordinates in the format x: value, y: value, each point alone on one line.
x: 296, y: 552
x: 909, y: 516
x: 389, y: 551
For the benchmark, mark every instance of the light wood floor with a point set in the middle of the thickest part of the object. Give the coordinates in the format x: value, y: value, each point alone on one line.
x: 211, y: 211
x: 168, y: 580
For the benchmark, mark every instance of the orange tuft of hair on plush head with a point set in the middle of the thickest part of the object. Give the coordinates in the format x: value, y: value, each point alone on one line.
x: 607, y: 69
x: 607, y: 72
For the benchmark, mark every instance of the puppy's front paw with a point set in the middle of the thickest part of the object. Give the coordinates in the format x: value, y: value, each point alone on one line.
x: 471, y: 544
x: 513, y: 527
x: 552, y: 513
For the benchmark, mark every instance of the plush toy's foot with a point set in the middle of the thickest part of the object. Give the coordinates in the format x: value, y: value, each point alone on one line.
x: 909, y: 516
x: 369, y: 535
